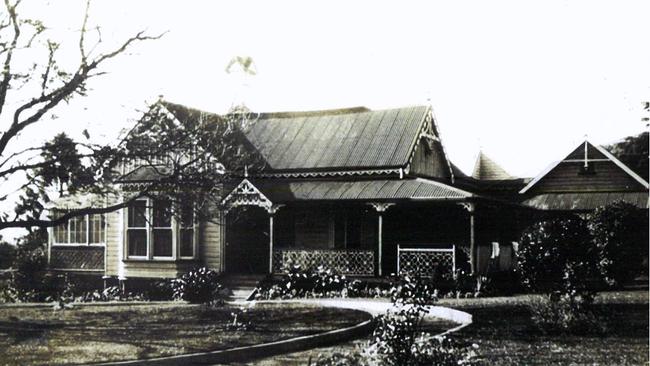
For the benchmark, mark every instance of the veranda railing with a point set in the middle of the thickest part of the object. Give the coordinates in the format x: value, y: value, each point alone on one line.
x: 426, y: 261
x: 356, y: 262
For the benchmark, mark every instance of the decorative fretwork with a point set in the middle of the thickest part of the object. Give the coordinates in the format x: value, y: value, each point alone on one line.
x: 343, y: 261
x: 246, y: 194
x: 381, y: 206
x: 424, y: 261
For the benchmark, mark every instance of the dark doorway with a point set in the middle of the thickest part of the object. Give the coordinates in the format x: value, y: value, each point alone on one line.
x: 247, y: 241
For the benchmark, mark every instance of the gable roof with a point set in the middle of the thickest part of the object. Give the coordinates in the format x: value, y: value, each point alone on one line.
x: 487, y: 169
x: 588, y: 153
x: 352, y: 140
x: 334, y: 141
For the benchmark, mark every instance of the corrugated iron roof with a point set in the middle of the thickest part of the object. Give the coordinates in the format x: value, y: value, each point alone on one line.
x: 380, y: 189
x: 487, y: 169
x: 584, y: 201
x: 338, y: 141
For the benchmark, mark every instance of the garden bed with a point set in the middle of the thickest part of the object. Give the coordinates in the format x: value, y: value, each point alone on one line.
x: 506, y: 335
x: 35, y: 336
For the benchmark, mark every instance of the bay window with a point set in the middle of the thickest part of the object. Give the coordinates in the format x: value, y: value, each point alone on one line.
x: 154, y: 232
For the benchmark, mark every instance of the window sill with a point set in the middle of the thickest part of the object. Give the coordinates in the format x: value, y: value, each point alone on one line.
x: 77, y: 245
x: 160, y: 260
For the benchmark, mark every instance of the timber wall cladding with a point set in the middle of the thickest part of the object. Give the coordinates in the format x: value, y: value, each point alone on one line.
x: 567, y: 177
x: 113, y: 232
x: 210, y: 243
x: 86, y: 258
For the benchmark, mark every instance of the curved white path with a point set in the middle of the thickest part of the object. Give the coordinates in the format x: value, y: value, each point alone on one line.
x: 376, y: 307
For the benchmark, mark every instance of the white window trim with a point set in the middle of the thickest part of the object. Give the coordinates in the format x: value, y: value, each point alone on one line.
x: 54, y: 243
x: 146, y: 229
x: 176, y: 232
x: 195, y: 238
x: 150, y: 242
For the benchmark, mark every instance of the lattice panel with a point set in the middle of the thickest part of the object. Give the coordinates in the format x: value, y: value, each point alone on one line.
x: 423, y: 262
x: 84, y: 257
x: 347, y: 262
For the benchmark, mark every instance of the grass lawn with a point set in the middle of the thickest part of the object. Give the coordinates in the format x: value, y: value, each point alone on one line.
x: 303, y: 358
x: 111, y: 333
x: 506, y: 335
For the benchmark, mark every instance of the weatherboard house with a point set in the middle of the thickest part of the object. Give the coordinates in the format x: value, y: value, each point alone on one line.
x: 363, y: 192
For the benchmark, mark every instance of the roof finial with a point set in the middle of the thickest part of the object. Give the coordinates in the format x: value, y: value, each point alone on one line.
x: 246, y: 171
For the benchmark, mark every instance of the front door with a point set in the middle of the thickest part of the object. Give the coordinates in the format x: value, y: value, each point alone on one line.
x: 247, y: 241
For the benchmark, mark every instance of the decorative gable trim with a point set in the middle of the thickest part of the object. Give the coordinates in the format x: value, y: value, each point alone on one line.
x: 430, y: 132
x: 339, y: 173
x: 246, y: 194
x: 609, y: 156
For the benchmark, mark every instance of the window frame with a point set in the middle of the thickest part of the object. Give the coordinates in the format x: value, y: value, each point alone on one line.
x: 152, y: 237
x: 195, y: 229
x: 145, y: 228
x: 176, y: 228
x: 69, y: 243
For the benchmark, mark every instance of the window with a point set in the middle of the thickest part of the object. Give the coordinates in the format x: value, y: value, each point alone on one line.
x: 136, y: 231
x: 187, y: 231
x: 162, y: 228
x: 153, y: 231
x: 80, y: 230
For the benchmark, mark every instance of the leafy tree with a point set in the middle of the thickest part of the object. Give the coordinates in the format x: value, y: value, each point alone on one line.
x: 633, y: 152
x: 620, y: 232
x: 557, y: 256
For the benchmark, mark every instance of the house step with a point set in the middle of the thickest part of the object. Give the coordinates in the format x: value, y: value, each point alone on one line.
x: 240, y: 286
x: 232, y: 281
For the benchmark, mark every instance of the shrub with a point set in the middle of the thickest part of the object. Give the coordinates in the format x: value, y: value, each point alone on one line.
x: 299, y: 283
x: 620, y: 232
x: 197, y: 286
x: 7, y: 254
x: 30, y: 280
x: 160, y: 290
x: 557, y: 255
x: 398, y: 339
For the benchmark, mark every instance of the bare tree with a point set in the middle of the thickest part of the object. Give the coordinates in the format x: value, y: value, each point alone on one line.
x: 74, y: 166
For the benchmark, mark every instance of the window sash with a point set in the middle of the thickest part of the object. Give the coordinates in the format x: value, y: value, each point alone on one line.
x: 80, y: 230
x: 166, y: 236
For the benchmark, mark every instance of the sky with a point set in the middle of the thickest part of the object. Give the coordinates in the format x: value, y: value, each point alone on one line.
x: 524, y: 81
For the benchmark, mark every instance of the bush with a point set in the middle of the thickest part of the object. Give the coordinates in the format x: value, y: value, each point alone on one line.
x: 620, y: 232
x: 160, y: 290
x: 7, y: 254
x: 557, y: 255
x: 30, y: 281
x: 300, y: 283
x: 398, y: 340
x: 200, y: 286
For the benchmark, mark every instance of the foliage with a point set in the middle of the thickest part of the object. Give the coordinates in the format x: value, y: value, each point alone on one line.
x: 239, y: 320
x: 36, y: 80
x: 7, y: 254
x: 633, y: 152
x: 557, y: 255
x: 197, y: 286
x: 298, y: 283
x: 398, y: 339
x: 620, y: 232
x: 160, y: 290
x: 30, y: 280
x: 566, y: 315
